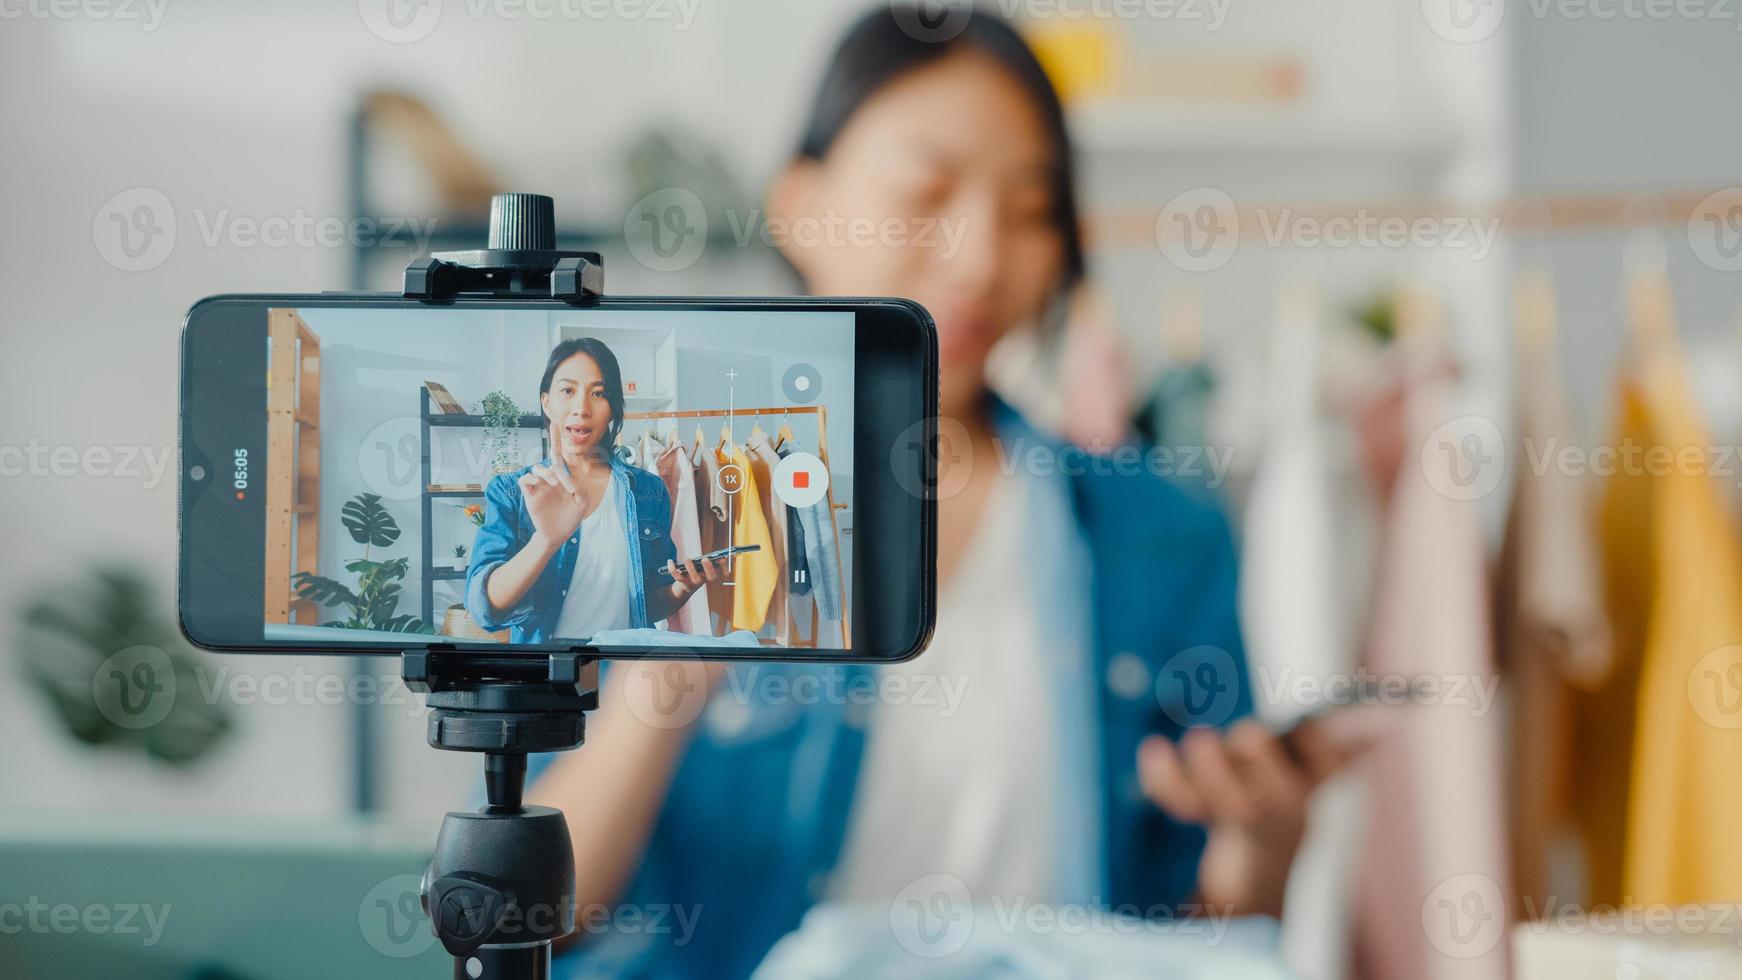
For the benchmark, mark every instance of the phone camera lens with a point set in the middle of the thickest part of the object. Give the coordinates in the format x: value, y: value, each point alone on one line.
x: 197, y: 473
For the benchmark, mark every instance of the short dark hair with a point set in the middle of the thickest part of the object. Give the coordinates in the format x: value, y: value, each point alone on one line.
x: 882, y: 46
x: 609, y: 373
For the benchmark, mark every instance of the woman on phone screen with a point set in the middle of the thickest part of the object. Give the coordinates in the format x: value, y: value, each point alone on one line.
x: 1095, y: 751
x: 572, y: 545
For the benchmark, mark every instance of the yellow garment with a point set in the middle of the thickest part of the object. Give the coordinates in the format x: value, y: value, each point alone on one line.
x: 1684, y: 799
x: 756, y: 573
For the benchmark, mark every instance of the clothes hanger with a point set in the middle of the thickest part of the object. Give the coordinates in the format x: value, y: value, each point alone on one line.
x: 1650, y: 302
x: 756, y: 432
x: 1534, y: 314
x: 1181, y: 325
x: 784, y: 436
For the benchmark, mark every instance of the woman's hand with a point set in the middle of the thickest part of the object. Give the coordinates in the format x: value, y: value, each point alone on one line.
x: 687, y: 578
x: 1251, y: 796
x: 552, y: 497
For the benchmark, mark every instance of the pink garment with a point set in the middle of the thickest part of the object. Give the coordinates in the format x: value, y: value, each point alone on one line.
x: 686, y: 536
x: 1095, y: 378
x: 1431, y: 895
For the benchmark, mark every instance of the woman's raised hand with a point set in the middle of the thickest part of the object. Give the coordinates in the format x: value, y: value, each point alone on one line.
x: 552, y: 497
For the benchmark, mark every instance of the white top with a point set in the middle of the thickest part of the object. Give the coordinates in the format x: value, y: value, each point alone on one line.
x: 597, y: 596
x: 959, y: 754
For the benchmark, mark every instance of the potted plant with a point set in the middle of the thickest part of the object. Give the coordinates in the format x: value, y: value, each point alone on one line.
x: 459, y: 557
x: 110, y: 666
x: 501, y: 425
x: 374, y: 603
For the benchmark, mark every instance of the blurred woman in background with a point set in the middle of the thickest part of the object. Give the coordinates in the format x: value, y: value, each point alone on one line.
x: 1098, y: 753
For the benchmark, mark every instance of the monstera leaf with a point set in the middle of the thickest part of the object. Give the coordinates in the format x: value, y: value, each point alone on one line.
x: 116, y: 671
x: 374, y: 602
x: 368, y: 521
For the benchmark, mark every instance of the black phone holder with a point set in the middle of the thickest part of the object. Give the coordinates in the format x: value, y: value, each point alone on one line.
x: 501, y: 885
x: 521, y: 260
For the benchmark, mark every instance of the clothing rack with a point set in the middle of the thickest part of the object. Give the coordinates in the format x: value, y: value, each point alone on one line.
x: 1135, y: 226
x: 822, y: 414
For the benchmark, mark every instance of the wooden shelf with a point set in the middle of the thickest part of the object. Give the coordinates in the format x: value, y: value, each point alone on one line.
x: 477, y: 421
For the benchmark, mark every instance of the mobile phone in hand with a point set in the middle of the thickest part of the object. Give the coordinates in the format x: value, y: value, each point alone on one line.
x: 696, y: 563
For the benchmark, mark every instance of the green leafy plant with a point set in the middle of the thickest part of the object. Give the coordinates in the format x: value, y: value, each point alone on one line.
x: 501, y: 423
x: 116, y: 671
x: 374, y: 603
x: 459, y: 552
x: 1378, y: 316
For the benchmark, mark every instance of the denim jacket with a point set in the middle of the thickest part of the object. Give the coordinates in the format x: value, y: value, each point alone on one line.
x: 1137, y: 580
x: 646, y: 508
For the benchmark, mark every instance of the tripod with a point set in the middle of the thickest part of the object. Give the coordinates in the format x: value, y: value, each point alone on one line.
x: 501, y: 886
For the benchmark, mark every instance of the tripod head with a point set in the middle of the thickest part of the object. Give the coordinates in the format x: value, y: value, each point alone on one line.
x: 501, y: 885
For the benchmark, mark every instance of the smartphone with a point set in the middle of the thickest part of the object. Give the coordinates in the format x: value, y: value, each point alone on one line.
x: 349, y: 474
x: 742, y: 549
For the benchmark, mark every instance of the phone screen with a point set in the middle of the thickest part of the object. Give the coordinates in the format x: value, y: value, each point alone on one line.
x: 389, y: 469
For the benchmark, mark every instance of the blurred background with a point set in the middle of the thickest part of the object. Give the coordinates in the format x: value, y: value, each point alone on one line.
x: 1272, y: 192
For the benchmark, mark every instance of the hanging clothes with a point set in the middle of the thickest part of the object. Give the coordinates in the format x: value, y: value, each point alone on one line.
x: 1551, y: 627
x: 754, y: 574
x: 1292, y: 610
x: 798, y: 571
x: 673, y: 466
x: 763, y: 460
x: 822, y: 552
x: 1681, y: 842
x: 1178, y: 408
x: 1429, y: 905
x: 1095, y: 376
x: 715, y: 532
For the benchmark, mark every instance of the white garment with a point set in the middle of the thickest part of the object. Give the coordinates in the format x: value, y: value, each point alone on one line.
x: 960, y: 748
x: 1293, y: 612
x: 597, y: 597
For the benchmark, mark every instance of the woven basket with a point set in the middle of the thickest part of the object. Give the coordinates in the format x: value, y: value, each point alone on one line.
x: 458, y: 623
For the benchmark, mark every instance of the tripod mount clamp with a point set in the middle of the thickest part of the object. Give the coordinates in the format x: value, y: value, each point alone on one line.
x: 500, y: 887
x: 521, y: 260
